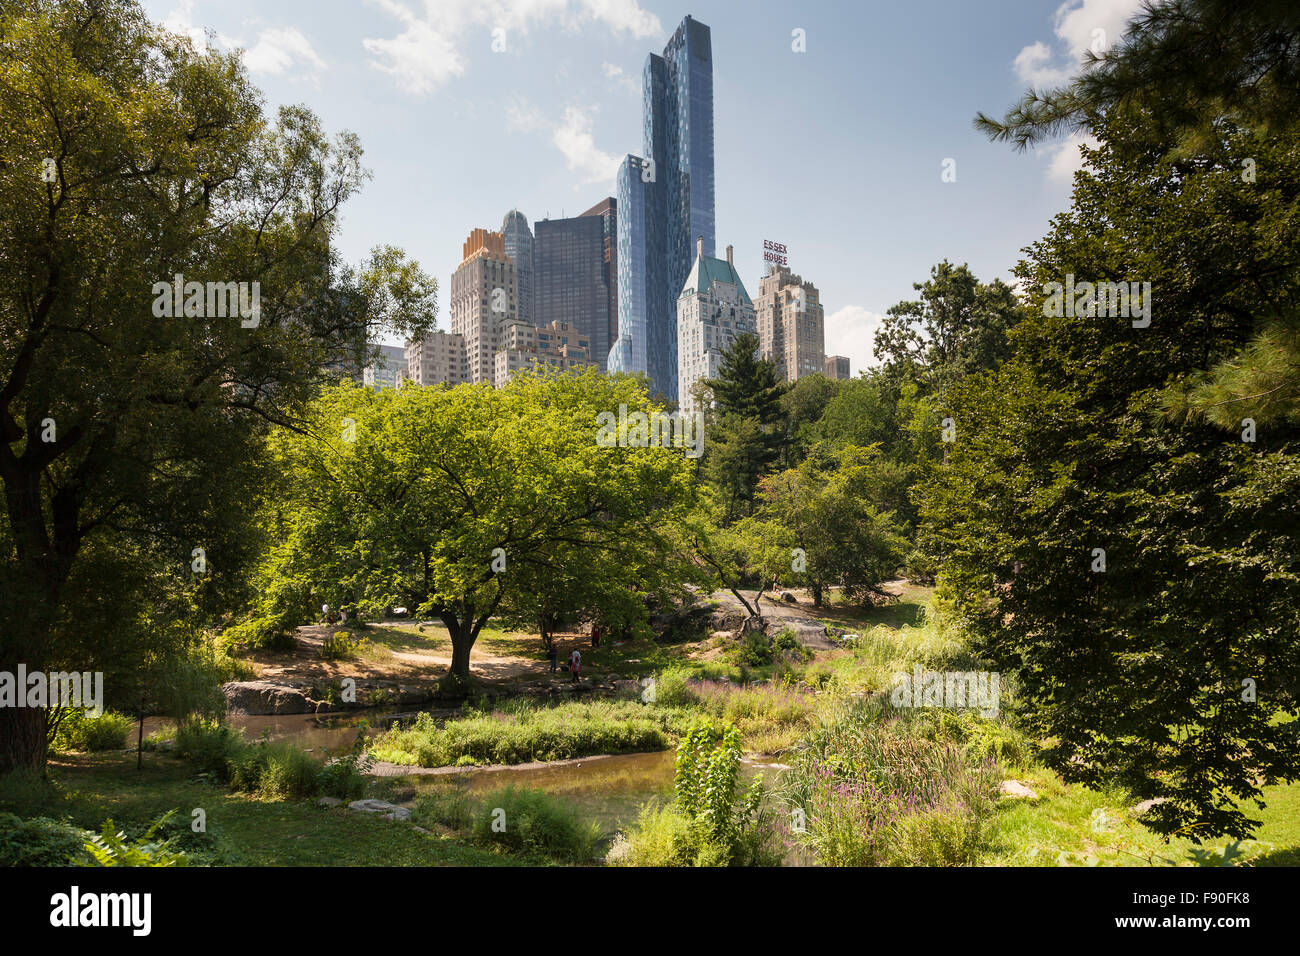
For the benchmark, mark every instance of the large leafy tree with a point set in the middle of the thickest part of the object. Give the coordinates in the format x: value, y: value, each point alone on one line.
x: 471, y: 501
x: 129, y: 442
x: 1140, y: 577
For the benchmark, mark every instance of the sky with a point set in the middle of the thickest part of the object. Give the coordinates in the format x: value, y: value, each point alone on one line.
x: 468, y: 108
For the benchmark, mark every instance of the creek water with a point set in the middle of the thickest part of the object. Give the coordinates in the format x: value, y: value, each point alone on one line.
x: 610, y: 788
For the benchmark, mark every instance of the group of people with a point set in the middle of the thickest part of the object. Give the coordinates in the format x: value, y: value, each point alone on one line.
x: 575, y: 659
x: 330, y: 616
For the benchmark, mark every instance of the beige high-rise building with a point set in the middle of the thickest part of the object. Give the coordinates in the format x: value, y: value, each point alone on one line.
x: 837, y: 367
x: 437, y: 358
x: 558, y: 345
x: 791, y: 324
x: 484, y: 301
x: 712, y: 310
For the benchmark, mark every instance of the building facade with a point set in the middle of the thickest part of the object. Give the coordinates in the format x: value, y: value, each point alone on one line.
x: 558, y: 345
x: 574, y: 277
x: 383, y: 371
x: 484, y: 300
x: 438, y: 358
x: 676, y: 200
x: 519, y: 245
x: 837, y: 367
x: 712, y: 310
x: 791, y: 324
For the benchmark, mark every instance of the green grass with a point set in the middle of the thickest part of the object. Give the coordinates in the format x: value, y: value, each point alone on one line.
x: 526, y: 732
x: 247, y: 830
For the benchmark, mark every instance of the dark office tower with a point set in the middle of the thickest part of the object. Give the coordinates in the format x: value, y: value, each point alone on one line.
x: 519, y: 247
x: 607, y: 211
x: 676, y: 180
x: 571, y: 275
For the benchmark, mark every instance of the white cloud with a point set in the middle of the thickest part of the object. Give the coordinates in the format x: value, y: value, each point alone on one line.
x: 277, y: 51
x: 621, y: 79
x: 574, y: 139
x: 851, y: 331
x: 523, y: 117
x: 1081, y: 25
x: 1066, y: 159
x: 430, y: 48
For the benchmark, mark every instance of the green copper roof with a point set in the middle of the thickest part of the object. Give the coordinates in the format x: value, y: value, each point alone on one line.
x: 708, y: 270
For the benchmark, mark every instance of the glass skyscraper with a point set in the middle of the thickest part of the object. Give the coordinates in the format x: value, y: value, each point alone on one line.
x: 571, y: 274
x: 519, y: 247
x: 666, y: 202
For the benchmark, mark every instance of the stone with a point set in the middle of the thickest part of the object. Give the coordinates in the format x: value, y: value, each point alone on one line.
x: 386, y: 810
x: 1146, y: 805
x: 263, y: 697
x: 789, y: 598
x: 329, y: 802
x: 721, y: 635
x: 1015, y: 790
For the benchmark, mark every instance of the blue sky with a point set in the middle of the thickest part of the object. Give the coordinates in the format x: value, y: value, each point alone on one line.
x: 836, y: 151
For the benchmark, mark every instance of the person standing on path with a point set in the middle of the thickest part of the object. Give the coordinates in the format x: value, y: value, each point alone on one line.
x: 553, y: 655
x: 575, y: 664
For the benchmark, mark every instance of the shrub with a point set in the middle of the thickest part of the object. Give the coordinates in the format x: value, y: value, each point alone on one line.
x: 755, y: 649
x: 448, y: 807
x: 275, y: 771
x: 80, y: 731
x: 344, y: 777
x: 341, y: 646
x: 671, y: 688
x: 211, y: 745
x: 661, y: 836
x: 110, y: 847
x: 532, y: 821
x: 39, y: 842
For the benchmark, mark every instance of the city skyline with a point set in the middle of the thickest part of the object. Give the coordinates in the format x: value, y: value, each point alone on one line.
x: 851, y: 133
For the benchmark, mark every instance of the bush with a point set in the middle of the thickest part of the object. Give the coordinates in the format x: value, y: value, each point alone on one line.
x: 671, y: 688
x: 275, y: 771
x: 39, y: 842
x: 341, y: 646
x: 210, y: 744
x: 661, y: 837
x: 447, y: 807
x: 79, y: 731
x: 344, y: 777
x: 110, y: 847
x: 755, y: 649
x: 534, y: 822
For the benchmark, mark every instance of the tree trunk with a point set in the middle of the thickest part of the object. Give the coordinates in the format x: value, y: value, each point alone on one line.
x: 817, y: 595
x: 22, y: 738
x: 462, y: 640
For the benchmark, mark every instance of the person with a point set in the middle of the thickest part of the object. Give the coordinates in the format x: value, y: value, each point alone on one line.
x: 575, y: 665
x: 324, y: 613
x: 596, y: 631
x: 553, y: 655
x: 343, y: 613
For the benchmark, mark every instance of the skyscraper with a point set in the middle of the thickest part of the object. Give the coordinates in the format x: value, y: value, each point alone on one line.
x: 674, y: 202
x: 791, y: 324
x: 519, y: 247
x: 484, y: 299
x: 573, y: 281
x: 712, y: 310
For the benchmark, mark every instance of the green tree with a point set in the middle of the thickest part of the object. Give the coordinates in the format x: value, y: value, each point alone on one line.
x: 471, y: 501
x: 130, y: 441
x: 1140, y: 577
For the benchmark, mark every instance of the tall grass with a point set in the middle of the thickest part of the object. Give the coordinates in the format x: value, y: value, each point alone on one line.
x: 521, y: 820
x: 529, y: 732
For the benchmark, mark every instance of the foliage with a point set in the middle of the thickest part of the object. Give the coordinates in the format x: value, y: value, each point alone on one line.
x: 80, y: 731
x: 340, y: 645
x: 446, y: 806
x: 39, y: 841
x: 278, y: 771
x: 211, y: 745
x: 110, y: 847
x: 724, y: 831
x: 345, y: 776
x: 524, y: 820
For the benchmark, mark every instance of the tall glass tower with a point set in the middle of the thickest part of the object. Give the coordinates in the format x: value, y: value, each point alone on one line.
x: 519, y: 247
x: 669, y: 199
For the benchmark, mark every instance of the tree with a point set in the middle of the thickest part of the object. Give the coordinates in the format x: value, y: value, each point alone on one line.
x: 803, y: 405
x: 826, y: 527
x: 749, y: 433
x: 1180, y: 69
x: 1139, y: 576
x: 130, y: 440
x: 471, y: 501
x: 957, y: 327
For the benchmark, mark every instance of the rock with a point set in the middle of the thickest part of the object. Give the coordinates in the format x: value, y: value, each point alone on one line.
x: 329, y: 802
x: 789, y: 598
x: 263, y: 697
x: 1146, y: 805
x: 386, y: 810
x: 721, y: 635
x: 1015, y: 790
x: 413, y: 695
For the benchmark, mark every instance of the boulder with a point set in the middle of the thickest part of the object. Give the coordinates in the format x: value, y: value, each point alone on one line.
x: 1145, y: 805
x: 386, y: 810
x: 1015, y: 790
x: 789, y: 598
x: 263, y: 697
x: 328, y: 802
